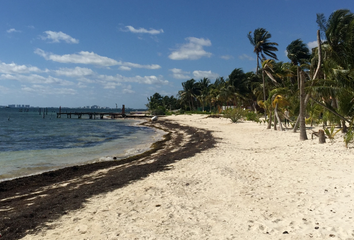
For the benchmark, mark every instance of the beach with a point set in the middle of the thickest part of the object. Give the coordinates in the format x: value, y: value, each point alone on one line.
x: 208, y: 179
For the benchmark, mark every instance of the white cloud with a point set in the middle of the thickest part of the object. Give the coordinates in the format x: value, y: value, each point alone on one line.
x: 247, y: 57
x: 128, y: 89
x: 226, y: 57
x: 179, y: 74
x: 124, y: 68
x: 143, y: 30
x: 14, y: 68
x: 81, y: 57
x: 36, y: 79
x: 135, y: 65
x: 311, y: 45
x: 112, y: 81
x: 110, y: 85
x: 13, y: 30
x: 192, y: 50
x: 56, y: 37
x: 92, y: 58
x: 74, y: 72
x: 85, y: 80
x: 81, y: 85
x: 205, y: 74
x: 151, y: 80
x: 45, y: 90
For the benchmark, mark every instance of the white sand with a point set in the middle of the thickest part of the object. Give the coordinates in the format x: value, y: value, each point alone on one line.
x: 256, y: 184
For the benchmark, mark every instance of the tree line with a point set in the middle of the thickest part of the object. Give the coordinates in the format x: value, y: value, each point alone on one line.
x: 313, y: 86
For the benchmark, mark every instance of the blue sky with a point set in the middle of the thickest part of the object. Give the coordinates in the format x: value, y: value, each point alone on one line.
x: 84, y: 52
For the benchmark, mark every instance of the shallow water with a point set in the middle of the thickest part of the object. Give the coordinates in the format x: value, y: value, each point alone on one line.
x: 32, y: 143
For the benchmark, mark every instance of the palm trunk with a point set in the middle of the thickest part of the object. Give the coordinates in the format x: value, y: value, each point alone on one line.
x: 303, y: 135
x: 314, y: 76
x: 278, y: 118
x: 257, y: 63
x: 270, y: 120
x: 264, y: 95
x: 344, y: 128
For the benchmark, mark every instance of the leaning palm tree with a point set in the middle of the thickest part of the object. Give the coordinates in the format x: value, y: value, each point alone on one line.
x: 338, y: 66
x: 262, y: 46
x: 298, y: 52
x: 339, y: 35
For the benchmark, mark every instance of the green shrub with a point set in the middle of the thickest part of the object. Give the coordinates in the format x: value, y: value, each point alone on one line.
x: 159, y: 111
x: 252, y: 116
x: 330, y: 132
x: 234, y: 114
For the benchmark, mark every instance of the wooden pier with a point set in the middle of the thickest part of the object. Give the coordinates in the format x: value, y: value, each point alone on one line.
x: 104, y: 115
x: 91, y: 115
x: 101, y: 115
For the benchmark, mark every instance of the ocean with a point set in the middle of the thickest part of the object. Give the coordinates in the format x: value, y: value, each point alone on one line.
x: 32, y: 142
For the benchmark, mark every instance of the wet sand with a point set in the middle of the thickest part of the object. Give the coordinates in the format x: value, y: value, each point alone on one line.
x: 31, y: 204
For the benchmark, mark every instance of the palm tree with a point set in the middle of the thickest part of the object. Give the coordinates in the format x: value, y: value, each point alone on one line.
x: 339, y: 34
x: 238, y: 84
x: 204, y: 87
x: 214, y: 92
x: 262, y: 46
x: 338, y: 67
x: 298, y: 52
x: 187, y: 95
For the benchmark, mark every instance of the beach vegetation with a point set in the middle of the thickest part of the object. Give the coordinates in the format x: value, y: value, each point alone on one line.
x: 348, y: 137
x: 331, y: 132
x: 314, y: 86
x: 235, y: 114
x: 162, y: 105
x: 252, y: 116
x: 262, y: 45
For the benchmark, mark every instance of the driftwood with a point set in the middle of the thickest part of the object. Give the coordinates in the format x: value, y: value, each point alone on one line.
x: 320, y: 134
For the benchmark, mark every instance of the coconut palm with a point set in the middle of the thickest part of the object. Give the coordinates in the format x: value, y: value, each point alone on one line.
x: 339, y: 34
x: 214, y: 92
x: 262, y: 45
x: 298, y: 52
x: 238, y: 84
x: 338, y: 63
x: 204, y: 87
x: 187, y: 95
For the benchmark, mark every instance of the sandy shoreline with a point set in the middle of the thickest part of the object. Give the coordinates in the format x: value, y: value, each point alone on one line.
x: 254, y: 184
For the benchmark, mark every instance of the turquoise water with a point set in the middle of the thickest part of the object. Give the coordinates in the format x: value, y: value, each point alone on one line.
x: 32, y: 143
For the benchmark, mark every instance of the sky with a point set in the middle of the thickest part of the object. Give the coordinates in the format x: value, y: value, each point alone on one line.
x: 113, y: 52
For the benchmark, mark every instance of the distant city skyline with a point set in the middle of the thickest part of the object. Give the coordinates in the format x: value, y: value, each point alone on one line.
x: 87, y: 52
